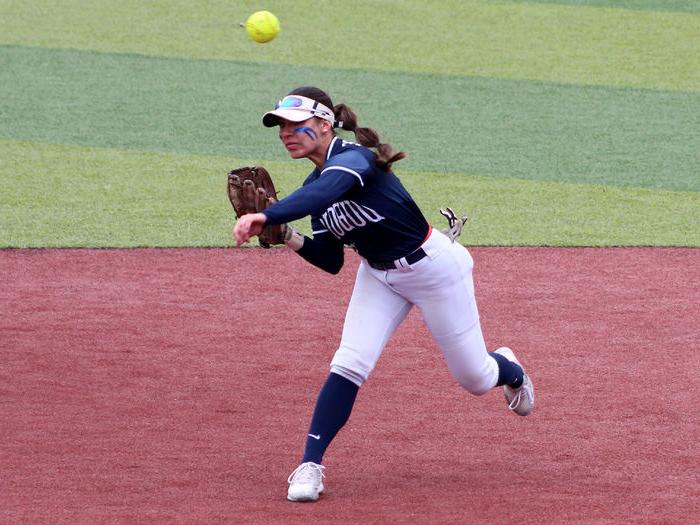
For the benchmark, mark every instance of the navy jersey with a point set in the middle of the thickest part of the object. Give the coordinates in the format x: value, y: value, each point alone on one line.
x: 357, y: 203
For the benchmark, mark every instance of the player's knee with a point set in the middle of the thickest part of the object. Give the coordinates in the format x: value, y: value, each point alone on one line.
x: 350, y: 375
x: 352, y: 364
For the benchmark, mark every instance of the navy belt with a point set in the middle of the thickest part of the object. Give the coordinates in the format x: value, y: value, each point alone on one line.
x: 411, y: 258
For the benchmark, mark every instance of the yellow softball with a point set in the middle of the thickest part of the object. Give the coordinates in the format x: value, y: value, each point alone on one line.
x: 262, y: 26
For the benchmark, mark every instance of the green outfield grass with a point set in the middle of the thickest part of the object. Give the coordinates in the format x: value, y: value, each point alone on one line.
x: 550, y: 123
x: 690, y: 6
x: 502, y: 128
x: 576, y: 44
x: 79, y: 196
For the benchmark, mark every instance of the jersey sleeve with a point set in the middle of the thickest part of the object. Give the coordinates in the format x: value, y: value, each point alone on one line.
x: 324, y: 252
x: 350, y: 162
x: 340, y: 175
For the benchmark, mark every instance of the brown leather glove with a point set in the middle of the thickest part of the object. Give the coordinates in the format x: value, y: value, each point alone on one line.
x: 251, y: 190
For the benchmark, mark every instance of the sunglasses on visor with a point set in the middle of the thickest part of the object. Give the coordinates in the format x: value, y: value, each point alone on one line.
x: 307, y: 104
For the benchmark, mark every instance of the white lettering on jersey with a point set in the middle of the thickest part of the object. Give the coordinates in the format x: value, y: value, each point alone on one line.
x: 345, y: 216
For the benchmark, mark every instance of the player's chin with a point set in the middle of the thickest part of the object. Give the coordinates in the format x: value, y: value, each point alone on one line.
x: 296, y: 153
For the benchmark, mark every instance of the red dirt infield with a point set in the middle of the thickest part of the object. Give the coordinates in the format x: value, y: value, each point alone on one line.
x: 161, y: 386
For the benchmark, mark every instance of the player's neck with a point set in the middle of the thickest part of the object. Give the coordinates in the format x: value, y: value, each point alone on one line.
x: 318, y: 156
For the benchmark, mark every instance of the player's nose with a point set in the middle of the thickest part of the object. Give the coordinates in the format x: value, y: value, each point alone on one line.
x: 286, y: 131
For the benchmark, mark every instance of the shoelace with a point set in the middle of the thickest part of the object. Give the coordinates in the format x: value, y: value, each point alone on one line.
x: 307, y: 473
x: 516, y: 400
x: 518, y: 395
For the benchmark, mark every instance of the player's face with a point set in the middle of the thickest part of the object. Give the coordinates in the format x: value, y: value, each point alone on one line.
x: 304, y: 139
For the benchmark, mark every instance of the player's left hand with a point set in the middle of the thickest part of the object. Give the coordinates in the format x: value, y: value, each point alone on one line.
x: 251, y: 190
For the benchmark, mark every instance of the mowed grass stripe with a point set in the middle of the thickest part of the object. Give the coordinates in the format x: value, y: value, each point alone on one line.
x: 575, y: 44
x: 73, y: 196
x: 688, y: 6
x: 494, y: 127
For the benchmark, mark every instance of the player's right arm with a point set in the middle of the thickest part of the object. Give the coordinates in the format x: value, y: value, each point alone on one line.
x: 340, y: 175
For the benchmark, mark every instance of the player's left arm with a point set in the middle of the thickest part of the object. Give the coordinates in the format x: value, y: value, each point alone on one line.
x: 323, y: 251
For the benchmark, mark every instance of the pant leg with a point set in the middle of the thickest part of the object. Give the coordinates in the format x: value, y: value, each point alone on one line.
x: 374, y: 313
x: 441, y: 285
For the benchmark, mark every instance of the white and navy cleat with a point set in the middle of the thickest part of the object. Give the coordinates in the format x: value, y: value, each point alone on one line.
x: 520, y: 400
x: 306, y: 482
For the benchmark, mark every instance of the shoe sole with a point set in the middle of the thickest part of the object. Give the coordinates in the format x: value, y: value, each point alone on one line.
x: 309, y: 498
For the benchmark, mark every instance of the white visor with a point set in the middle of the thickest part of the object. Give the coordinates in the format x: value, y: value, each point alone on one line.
x: 297, y: 109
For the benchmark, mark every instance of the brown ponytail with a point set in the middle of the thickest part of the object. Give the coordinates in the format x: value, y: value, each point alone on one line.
x: 346, y: 119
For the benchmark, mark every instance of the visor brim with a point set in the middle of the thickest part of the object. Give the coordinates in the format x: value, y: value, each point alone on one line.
x: 271, y: 118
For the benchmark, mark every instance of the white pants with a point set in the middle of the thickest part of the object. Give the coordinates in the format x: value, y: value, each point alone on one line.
x: 441, y: 286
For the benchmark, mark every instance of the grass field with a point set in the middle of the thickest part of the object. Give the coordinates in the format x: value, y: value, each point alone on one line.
x: 550, y: 123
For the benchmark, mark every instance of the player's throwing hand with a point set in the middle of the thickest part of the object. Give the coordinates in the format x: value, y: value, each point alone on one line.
x: 248, y: 226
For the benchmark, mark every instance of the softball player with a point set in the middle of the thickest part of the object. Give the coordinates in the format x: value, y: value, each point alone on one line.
x: 353, y: 198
